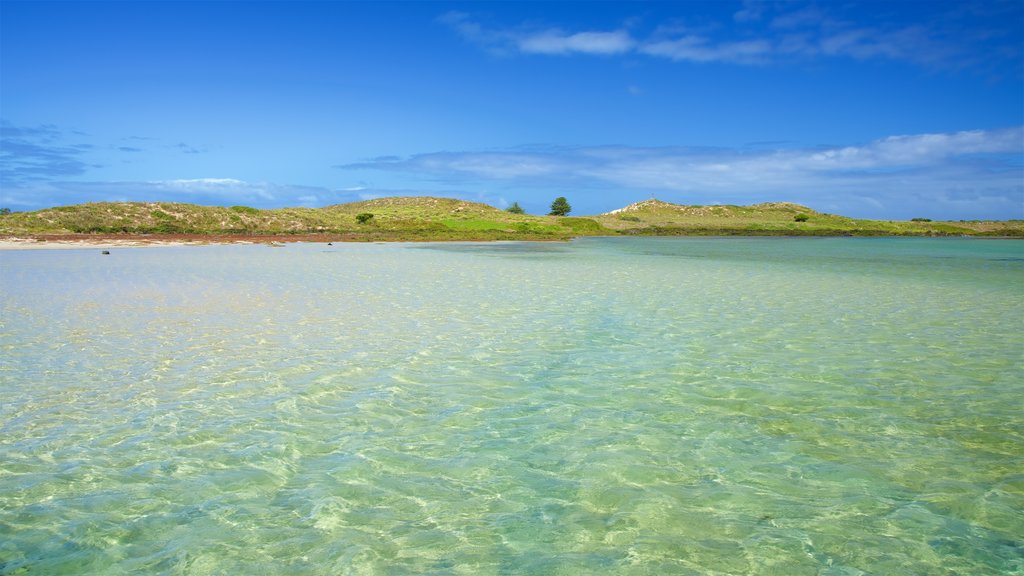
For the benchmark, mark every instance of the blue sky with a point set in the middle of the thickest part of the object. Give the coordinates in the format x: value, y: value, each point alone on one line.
x: 871, y: 109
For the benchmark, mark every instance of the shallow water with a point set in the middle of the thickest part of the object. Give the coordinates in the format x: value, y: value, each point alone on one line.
x: 618, y: 406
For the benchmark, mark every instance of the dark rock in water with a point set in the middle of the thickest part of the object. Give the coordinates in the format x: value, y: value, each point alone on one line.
x: 106, y: 252
x: 330, y: 243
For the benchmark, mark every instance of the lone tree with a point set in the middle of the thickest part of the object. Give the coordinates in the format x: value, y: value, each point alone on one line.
x: 560, y: 207
x: 515, y: 208
x: 364, y: 217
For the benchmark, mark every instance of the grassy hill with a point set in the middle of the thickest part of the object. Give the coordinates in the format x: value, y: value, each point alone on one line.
x: 427, y: 218
x: 400, y: 218
x: 654, y: 217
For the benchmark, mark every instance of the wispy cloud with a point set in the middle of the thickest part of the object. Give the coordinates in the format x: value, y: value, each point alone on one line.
x: 892, y: 153
x: 188, y: 149
x: 699, y: 49
x: 872, y: 179
x: 221, y: 187
x: 969, y: 174
x: 32, y: 154
x: 559, y: 42
x: 543, y: 41
x: 209, y: 191
x: 763, y: 33
x: 752, y: 10
x: 453, y: 166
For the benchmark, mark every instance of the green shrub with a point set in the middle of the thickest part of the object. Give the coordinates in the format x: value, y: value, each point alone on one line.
x: 801, y: 217
x: 515, y: 208
x: 920, y: 219
x: 245, y: 210
x: 629, y: 218
x: 363, y: 217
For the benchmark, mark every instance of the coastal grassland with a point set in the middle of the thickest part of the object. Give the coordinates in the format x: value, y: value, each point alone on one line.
x: 400, y: 218
x: 657, y: 218
x: 447, y: 218
x: 161, y: 218
x: 421, y: 218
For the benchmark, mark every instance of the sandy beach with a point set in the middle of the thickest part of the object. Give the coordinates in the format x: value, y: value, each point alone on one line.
x: 91, y: 241
x: 36, y: 244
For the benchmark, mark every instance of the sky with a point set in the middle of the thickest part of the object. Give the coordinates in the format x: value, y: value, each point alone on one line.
x: 888, y: 110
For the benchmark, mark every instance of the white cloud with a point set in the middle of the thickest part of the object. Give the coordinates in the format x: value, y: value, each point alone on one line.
x: 558, y: 42
x: 804, y: 17
x: 918, y: 168
x: 487, y: 165
x: 752, y: 10
x: 895, y: 152
x: 698, y: 49
x: 551, y: 41
x: 208, y: 191
x: 226, y: 188
x: 501, y: 166
x: 461, y: 22
x: 919, y: 150
x: 204, y: 183
x: 763, y: 32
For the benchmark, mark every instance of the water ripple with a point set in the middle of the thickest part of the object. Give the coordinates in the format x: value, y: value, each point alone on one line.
x: 640, y: 406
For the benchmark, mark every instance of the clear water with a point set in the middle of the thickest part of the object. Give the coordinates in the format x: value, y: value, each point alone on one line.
x: 608, y: 406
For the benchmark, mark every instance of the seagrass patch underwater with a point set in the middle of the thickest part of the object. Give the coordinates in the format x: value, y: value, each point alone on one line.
x: 617, y: 406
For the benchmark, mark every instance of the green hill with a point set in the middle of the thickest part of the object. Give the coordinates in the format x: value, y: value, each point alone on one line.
x: 654, y: 217
x: 398, y: 218
x: 427, y: 218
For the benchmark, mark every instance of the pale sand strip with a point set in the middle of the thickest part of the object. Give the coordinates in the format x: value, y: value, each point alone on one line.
x: 104, y: 244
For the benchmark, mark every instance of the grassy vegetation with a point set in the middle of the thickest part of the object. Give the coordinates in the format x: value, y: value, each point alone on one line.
x: 654, y: 217
x: 401, y: 218
x: 426, y: 218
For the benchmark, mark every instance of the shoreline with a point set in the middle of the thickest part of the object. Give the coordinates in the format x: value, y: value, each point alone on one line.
x: 103, y: 241
x: 95, y: 241
x: 106, y: 241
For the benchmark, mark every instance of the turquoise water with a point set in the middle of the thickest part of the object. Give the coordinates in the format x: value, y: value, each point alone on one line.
x: 607, y: 406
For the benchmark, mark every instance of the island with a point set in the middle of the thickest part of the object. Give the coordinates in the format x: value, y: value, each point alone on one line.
x: 422, y: 218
